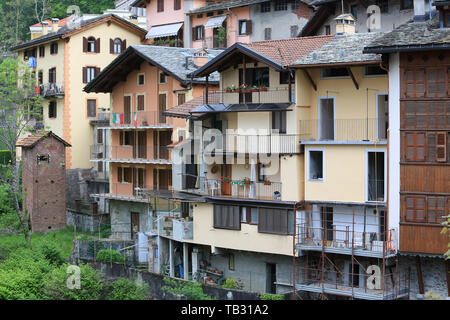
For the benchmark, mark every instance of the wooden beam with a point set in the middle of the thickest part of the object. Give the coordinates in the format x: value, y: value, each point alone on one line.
x: 419, y: 275
x: 353, y: 77
x: 310, y: 79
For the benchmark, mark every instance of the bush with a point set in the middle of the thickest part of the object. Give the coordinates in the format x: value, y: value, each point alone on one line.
x: 110, y: 256
x: 124, y: 289
x: 191, y: 290
x: 231, y: 284
x: 269, y: 296
x: 5, y: 157
x: 51, y: 253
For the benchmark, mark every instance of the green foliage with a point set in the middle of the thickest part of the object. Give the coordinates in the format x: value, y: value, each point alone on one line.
x: 5, y: 157
x: 446, y: 225
x: 221, y: 34
x: 59, y: 7
x: 192, y: 290
x: 270, y: 296
x: 110, y: 256
x: 52, y: 253
x: 124, y: 289
x: 231, y: 284
x: 105, y: 231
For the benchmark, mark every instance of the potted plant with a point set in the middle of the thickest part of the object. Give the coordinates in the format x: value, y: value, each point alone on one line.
x: 246, y: 181
x: 263, y: 87
x: 245, y: 88
x: 267, y: 182
x: 224, y: 179
x: 255, y: 89
x: 228, y: 90
x: 234, y: 88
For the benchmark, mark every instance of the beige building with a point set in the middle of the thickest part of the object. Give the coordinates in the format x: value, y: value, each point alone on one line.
x: 65, y: 57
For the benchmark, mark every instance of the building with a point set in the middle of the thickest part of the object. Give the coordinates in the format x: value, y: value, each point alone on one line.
x: 143, y: 82
x: 368, y: 16
x: 65, y: 58
x: 220, y: 24
x: 419, y: 192
x: 44, y: 181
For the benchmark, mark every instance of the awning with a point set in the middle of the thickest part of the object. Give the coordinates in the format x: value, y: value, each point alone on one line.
x: 215, y: 22
x: 251, y: 107
x: 164, y: 31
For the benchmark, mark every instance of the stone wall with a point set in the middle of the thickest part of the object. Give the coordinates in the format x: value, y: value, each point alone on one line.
x: 87, y: 222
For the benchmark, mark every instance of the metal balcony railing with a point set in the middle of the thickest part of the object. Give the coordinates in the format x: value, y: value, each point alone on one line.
x: 249, y: 96
x: 243, y: 189
x: 51, y: 90
x: 254, y: 144
x: 135, y: 119
x: 344, y: 129
x: 130, y: 153
x: 375, y: 190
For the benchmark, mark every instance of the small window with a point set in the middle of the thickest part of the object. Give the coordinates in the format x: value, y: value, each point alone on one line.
x: 52, y: 109
x: 160, y: 6
x: 374, y: 71
x: 281, y: 5
x: 42, y: 51
x: 406, y: 4
x: 231, y: 262
x: 415, y: 146
x: 268, y: 34
x: 52, y: 75
x: 198, y: 33
x: 127, y: 175
x: 43, y: 158
x: 90, y: 74
x: 210, y: 14
x: 354, y: 10
x: 200, y: 15
x: 54, y: 48
x: 162, y: 78
x: 176, y: 4
x: 414, y: 208
x: 117, y: 46
x: 91, y: 44
x: 141, y: 79
x: 316, y: 165
x: 334, y: 72
x: 181, y: 98
x: 91, y: 108
x: 265, y: 7
x: 245, y: 27
x: 327, y: 30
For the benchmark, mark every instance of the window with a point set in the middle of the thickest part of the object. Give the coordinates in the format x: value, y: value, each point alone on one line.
x: 327, y: 30
x: 281, y: 5
x: 100, y: 136
x: 435, y: 209
x: 162, y: 78
x: 245, y: 27
x: 54, y: 48
x: 255, y: 76
x: 52, y: 75
x: 210, y: 14
x: 284, y: 77
x: 52, y: 109
x: 446, y: 19
x: 384, y: 5
x: 274, y: 221
x: 294, y: 31
x: 441, y: 146
x: 117, y: 46
x: 40, y: 77
x: 334, y: 72
x: 295, y: 5
x: 162, y: 107
x: 91, y: 108
x: 226, y: 217
x: 42, y: 51
x: 124, y: 174
x: 231, y: 262
x: 89, y: 73
x: 268, y: 34
x: 374, y: 71
x: 160, y: 6
x: 176, y: 4
x: 200, y: 15
x: 219, y: 12
x: 141, y: 79
x: 91, y: 44
x: 198, y: 33
x: 354, y: 11
x: 415, y: 208
x: 315, y: 165
x: 265, y: 7
x: 181, y: 98
x: 126, y: 138
x: 436, y: 87
x: 100, y: 166
x: 279, y: 121
x: 406, y: 4
x: 375, y: 176
x: 415, y: 146
x: 414, y: 82
x: 140, y: 102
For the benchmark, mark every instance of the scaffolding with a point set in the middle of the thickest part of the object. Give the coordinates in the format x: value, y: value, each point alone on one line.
x: 346, y: 251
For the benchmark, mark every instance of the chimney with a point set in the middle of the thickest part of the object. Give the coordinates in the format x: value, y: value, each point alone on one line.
x: 345, y: 24
x: 201, y: 58
x: 44, y: 28
x: 55, y: 24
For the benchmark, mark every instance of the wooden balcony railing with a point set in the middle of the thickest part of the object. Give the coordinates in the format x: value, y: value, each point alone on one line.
x: 140, y: 119
x: 251, y: 96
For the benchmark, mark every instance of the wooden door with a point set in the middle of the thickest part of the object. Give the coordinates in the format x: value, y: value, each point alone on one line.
x: 162, y: 107
x: 226, y: 186
x: 142, y: 144
x: 127, y: 109
x: 140, y: 178
x: 135, y: 226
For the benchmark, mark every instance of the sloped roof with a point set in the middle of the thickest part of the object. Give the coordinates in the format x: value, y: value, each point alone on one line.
x: 32, y: 140
x: 412, y: 36
x: 183, y: 110
x: 222, y: 5
x: 69, y: 28
x: 61, y: 23
x: 171, y: 60
x: 343, y: 49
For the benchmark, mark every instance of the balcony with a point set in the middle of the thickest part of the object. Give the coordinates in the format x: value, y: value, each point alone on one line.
x: 103, y: 118
x: 172, y: 226
x: 49, y: 90
x: 131, y: 154
x: 255, y: 144
x: 250, y: 96
x: 345, y: 130
x: 140, y: 120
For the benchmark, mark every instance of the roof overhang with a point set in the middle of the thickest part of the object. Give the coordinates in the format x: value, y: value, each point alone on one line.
x: 409, y: 48
x: 251, y: 107
x: 336, y: 64
x: 140, y: 3
x: 166, y: 30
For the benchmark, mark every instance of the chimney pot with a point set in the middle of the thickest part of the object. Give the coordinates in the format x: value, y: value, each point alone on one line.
x: 55, y: 23
x: 44, y: 28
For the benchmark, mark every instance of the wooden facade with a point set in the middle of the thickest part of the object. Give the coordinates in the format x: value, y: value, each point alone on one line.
x: 425, y: 150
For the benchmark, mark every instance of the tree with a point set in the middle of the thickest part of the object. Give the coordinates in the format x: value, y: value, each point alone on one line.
x: 19, y: 114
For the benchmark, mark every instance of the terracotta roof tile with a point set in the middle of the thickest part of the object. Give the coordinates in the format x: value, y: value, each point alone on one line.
x: 61, y: 23
x: 183, y: 110
x: 32, y: 139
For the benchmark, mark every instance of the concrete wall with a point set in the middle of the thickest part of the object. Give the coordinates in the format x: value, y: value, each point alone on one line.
x: 120, y: 212
x: 86, y: 222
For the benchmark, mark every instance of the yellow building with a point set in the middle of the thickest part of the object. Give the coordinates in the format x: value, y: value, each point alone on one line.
x: 65, y: 58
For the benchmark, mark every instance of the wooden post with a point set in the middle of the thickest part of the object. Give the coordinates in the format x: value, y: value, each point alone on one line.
x: 419, y: 275
x: 206, y: 90
x: 244, y: 71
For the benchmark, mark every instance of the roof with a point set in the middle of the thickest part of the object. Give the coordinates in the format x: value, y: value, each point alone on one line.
x: 61, y: 23
x: 343, y: 49
x: 32, y: 140
x: 318, y: 18
x: 276, y: 53
x: 412, y: 36
x: 183, y: 110
x: 70, y: 28
x: 223, y: 5
x: 171, y: 60
x: 138, y: 3
x: 250, y: 107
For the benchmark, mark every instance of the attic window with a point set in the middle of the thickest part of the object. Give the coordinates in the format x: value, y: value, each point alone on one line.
x: 43, y: 158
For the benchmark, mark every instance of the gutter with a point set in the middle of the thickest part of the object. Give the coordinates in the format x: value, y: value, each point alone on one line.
x: 392, y: 49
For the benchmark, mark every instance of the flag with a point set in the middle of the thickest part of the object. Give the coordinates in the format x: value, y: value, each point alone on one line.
x: 135, y: 119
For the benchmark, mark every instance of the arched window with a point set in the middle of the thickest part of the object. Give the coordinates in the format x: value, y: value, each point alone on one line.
x: 91, y: 44
x: 117, y: 45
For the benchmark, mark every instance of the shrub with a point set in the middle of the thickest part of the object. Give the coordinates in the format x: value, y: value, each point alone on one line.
x: 231, y: 284
x: 51, y: 253
x: 191, y: 290
x: 124, y: 289
x: 5, y: 157
x: 110, y: 256
x: 269, y: 296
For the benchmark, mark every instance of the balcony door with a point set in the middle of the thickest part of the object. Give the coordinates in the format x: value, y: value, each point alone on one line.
x: 142, y: 144
x: 226, y: 186
x: 326, y: 119
x: 138, y: 179
x: 127, y: 109
x: 382, y: 116
x: 375, y: 176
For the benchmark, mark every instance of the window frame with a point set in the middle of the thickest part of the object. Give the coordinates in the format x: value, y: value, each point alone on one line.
x: 309, y: 165
x: 138, y: 78
x: 415, y: 146
x: 265, y: 7
x: 176, y: 5
x: 54, y: 48
x: 137, y: 102
x: 323, y: 76
x: 159, y: 77
x: 159, y: 6
x: 117, y: 46
x: 281, y: 5
x: 87, y: 107
x: 91, y: 44
x: 53, y: 105
x: 403, y: 2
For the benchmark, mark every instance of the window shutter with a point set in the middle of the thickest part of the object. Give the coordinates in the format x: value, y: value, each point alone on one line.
x: 441, y: 146
x: 249, y: 26
x: 124, y: 45
x: 203, y: 32
x: 111, y: 46
x: 121, y: 138
x: 140, y: 103
x: 85, y: 44
x: 97, y: 45
x: 119, y: 173
x: 194, y: 36
x: 84, y: 75
x: 97, y: 71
